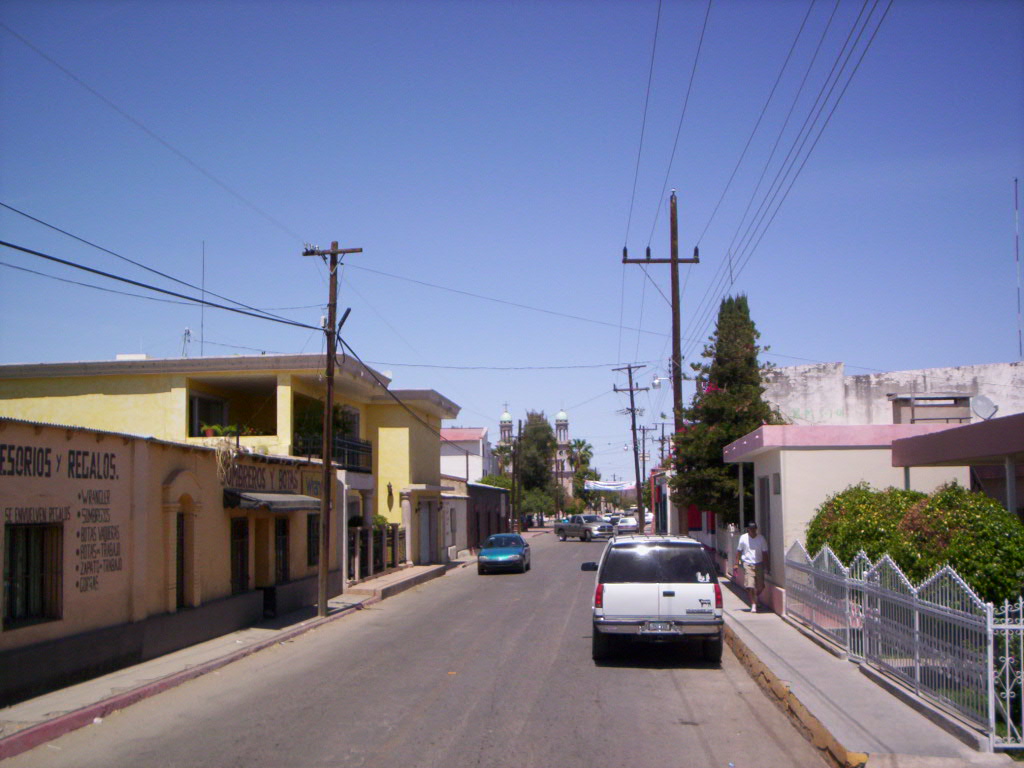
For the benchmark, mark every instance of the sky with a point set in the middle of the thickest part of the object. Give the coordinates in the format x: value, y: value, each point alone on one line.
x: 847, y: 165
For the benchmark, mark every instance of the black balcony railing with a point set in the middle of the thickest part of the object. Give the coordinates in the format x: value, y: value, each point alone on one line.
x: 353, y: 455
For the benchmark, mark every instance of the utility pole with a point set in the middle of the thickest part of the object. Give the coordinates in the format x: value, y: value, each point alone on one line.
x: 661, y: 440
x: 636, y: 456
x: 327, y: 455
x: 677, y: 354
x: 516, y: 490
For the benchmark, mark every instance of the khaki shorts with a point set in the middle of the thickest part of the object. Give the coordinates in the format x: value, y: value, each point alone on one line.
x: 753, y: 576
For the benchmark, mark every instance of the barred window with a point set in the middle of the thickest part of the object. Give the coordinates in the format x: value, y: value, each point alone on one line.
x: 33, y: 577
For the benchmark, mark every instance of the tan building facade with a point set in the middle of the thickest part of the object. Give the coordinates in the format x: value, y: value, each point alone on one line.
x: 118, y: 548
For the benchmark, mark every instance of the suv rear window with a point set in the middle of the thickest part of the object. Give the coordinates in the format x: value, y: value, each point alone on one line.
x: 650, y: 563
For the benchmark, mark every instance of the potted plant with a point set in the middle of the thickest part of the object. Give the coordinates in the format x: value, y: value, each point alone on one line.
x: 219, y: 430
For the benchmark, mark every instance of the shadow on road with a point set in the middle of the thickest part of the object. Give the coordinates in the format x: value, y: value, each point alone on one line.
x: 658, y: 656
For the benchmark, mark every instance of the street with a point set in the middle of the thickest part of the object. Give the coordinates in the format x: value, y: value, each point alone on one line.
x: 466, y: 670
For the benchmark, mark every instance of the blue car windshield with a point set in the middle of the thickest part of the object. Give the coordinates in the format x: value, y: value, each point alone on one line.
x: 499, y: 542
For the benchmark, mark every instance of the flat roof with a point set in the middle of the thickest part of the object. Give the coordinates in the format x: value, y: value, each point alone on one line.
x: 986, y: 442
x: 836, y: 437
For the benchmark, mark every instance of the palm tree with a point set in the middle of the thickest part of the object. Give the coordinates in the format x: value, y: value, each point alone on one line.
x: 580, y: 453
x: 504, y: 454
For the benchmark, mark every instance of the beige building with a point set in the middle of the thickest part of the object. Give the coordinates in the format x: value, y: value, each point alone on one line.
x: 118, y: 548
x: 796, y: 468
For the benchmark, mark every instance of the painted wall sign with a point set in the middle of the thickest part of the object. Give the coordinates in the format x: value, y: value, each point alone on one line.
x: 266, y: 477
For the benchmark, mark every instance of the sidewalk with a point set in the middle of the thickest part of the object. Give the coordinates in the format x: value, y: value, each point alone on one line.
x: 33, y: 722
x: 837, y: 705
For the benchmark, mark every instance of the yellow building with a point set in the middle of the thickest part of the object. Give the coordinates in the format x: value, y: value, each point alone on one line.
x: 387, y: 444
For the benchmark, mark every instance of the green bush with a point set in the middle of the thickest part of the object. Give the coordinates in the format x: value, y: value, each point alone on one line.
x: 966, y: 530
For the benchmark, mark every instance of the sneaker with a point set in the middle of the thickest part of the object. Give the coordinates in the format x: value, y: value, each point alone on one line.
x: 753, y: 608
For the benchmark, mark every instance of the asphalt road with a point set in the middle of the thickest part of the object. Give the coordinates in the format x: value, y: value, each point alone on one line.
x: 465, y: 670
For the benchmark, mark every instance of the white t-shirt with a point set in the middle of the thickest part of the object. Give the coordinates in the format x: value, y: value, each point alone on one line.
x: 752, y: 550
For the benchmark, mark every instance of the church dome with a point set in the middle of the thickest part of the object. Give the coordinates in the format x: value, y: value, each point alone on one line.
x: 506, y: 418
x: 561, y: 416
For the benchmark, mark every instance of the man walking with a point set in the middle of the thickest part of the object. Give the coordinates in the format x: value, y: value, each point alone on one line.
x: 753, y: 555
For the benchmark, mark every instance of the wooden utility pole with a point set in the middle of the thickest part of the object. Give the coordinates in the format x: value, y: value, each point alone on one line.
x: 327, y: 455
x: 636, y: 455
x: 677, y: 354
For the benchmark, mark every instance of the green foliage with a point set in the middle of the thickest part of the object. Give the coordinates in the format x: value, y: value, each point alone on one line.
x: 575, y: 507
x: 219, y: 430
x: 536, y: 450
x: 861, y: 518
x: 380, y: 521
x: 498, y: 481
x: 964, y: 529
x: 537, y: 501
x: 728, y: 404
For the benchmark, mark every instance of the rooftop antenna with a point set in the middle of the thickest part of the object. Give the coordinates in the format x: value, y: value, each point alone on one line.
x: 202, y: 309
x: 1016, y: 250
x: 185, y: 339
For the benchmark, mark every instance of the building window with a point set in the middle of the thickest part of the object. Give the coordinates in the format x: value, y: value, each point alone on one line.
x: 33, y: 579
x: 313, y: 539
x: 203, y: 409
x: 239, y: 555
x: 281, y: 550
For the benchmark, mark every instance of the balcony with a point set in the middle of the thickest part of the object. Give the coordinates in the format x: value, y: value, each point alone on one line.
x: 348, y: 454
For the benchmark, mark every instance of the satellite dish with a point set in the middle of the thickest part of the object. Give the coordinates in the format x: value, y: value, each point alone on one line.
x: 983, y: 408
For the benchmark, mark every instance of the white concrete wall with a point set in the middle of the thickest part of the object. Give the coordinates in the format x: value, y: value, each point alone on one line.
x: 824, y: 394
x: 810, y: 477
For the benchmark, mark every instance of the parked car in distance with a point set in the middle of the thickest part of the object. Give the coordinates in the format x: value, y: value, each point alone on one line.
x: 584, y: 527
x: 625, y: 525
x: 656, y: 589
x: 503, y: 552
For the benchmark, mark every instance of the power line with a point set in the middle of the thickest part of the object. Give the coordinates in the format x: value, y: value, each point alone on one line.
x: 682, y: 116
x: 757, y: 123
x: 91, y: 244
x: 495, y: 368
x: 643, y: 123
x: 148, y: 287
x: 152, y: 134
x: 94, y: 287
x: 751, y: 245
x: 501, y: 301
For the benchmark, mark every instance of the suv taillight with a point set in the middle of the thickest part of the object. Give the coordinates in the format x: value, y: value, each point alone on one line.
x: 599, y: 596
x: 718, y: 595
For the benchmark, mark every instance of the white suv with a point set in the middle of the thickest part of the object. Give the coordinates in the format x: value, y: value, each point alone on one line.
x: 656, y: 589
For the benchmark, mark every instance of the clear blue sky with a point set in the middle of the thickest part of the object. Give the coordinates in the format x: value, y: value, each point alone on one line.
x: 490, y: 148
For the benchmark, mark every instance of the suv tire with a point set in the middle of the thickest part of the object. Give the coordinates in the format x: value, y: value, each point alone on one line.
x: 586, y: 535
x: 713, y: 650
x: 600, y: 645
x: 561, y: 535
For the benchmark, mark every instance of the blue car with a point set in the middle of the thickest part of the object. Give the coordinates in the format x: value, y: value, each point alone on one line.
x: 504, y: 552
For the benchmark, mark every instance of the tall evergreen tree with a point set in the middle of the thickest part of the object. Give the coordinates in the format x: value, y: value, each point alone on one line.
x: 727, y: 405
x: 536, y: 450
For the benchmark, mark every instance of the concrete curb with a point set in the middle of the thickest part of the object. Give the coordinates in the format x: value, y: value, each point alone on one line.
x: 34, y: 735
x: 780, y: 692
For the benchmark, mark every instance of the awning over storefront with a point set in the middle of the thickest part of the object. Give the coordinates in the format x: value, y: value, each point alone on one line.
x: 280, y: 503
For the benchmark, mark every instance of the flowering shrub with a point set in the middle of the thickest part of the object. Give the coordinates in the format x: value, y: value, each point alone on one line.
x: 967, y: 530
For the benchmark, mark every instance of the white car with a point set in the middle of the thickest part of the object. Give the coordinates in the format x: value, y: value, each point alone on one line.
x: 626, y: 525
x: 656, y: 589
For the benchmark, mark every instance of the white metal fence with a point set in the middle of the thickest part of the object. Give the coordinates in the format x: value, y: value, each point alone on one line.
x: 939, y: 639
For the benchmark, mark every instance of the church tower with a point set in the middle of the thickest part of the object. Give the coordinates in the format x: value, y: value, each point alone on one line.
x: 563, y: 470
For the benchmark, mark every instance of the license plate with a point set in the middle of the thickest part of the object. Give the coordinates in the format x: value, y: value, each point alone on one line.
x: 659, y: 626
